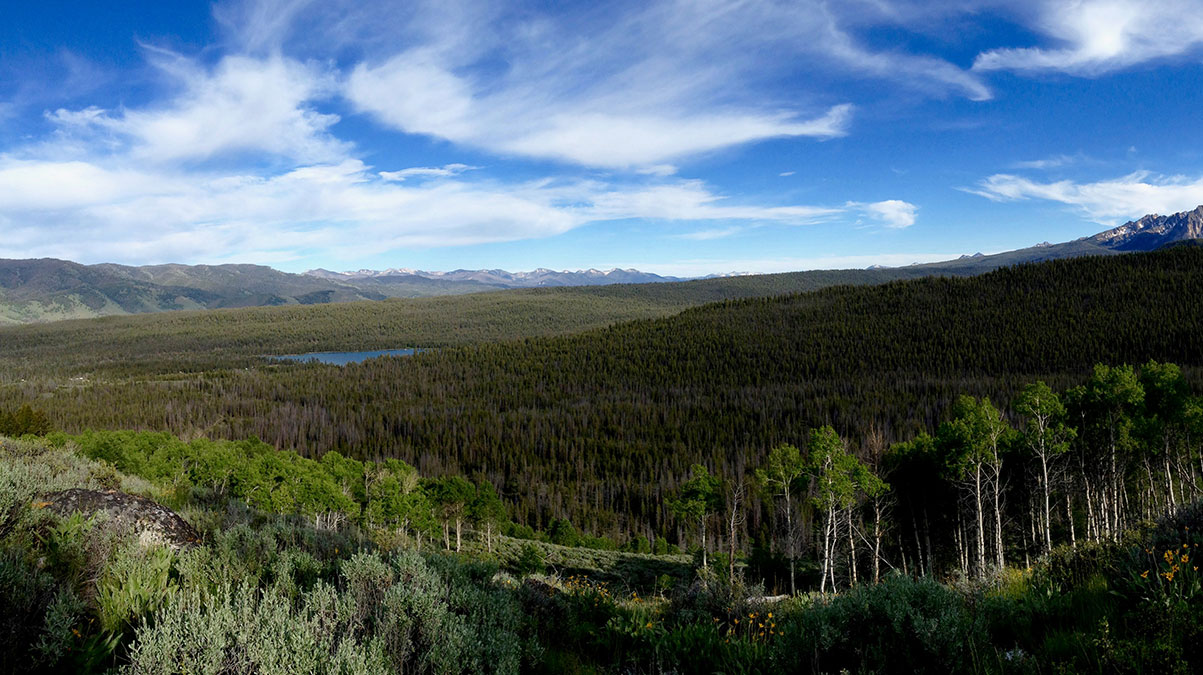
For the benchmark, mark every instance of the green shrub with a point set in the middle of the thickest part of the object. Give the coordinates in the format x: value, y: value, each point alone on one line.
x: 38, y: 616
x: 136, y: 583
x: 530, y: 560
x: 240, y: 629
x: 901, y: 625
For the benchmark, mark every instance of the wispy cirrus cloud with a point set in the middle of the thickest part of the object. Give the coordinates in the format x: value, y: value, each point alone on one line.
x: 1099, y: 36
x: 1107, y: 202
x: 627, y: 86
x: 426, y: 172
x: 414, y: 94
x: 1046, y: 163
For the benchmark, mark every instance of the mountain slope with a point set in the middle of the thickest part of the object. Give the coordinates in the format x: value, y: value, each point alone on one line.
x: 1152, y: 232
x: 502, y: 279
x: 48, y: 289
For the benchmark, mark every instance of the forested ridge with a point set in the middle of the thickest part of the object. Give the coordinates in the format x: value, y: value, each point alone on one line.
x: 601, y: 426
x: 226, y: 338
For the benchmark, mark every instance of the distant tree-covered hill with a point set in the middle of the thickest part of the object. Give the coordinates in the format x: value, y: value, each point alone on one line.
x: 49, y: 290
x: 198, y: 340
x: 598, y: 426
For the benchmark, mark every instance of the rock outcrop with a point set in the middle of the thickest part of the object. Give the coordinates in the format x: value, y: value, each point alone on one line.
x: 1153, y: 231
x: 138, y: 513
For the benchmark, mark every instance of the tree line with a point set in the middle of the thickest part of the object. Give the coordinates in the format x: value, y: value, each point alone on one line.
x: 989, y: 487
x: 600, y: 428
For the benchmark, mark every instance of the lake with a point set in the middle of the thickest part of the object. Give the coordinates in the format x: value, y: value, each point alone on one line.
x: 343, y: 358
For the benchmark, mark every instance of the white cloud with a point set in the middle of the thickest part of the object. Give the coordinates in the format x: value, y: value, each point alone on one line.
x: 1100, y: 36
x: 661, y: 170
x: 626, y: 88
x: 240, y: 154
x: 785, y: 174
x: 96, y: 212
x: 892, y: 213
x: 711, y: 234
x: 426, y: 172
x: 1107, y: 202
x: 243, y: 105
x: 1054, y: 162
x: 691, y: 200
x: 413, y: 93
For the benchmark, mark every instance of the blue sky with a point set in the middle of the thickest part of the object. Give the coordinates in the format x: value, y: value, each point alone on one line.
x: 682, y: 138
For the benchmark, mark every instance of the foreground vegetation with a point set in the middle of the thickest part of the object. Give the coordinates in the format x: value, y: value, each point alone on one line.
x: 266, y: 592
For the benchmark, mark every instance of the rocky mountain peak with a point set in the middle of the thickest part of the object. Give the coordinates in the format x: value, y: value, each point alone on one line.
x: 1153, y: 231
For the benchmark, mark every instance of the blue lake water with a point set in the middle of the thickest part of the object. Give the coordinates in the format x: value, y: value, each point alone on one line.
x: 343, y: 358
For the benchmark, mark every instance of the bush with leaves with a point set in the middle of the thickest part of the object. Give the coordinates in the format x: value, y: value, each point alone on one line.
x: 901, y: 625
x: 530, y: 560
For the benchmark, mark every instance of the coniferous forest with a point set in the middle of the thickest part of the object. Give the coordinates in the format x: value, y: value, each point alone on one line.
x: 998, y: 473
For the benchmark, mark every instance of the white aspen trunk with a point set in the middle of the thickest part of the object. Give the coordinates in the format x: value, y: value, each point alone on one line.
x: 735, y: 521
x: 826, y: 556
x: 1048, y: 525
x: 962, y: 552
x: 1150, y: 492
x: 918, y: 548
x: 981, y: 524
x: 789, y: 541
x: 1113, y: 522
x: 1032, y: 527
x: 927, y: 542
x: 998, y: 541
x: 457, y: 535
x: 835, y: 538
x: 1169, y: 481
x: 876, y: 540
x: 1091, y: 526
x: 851, y: 549
x: 1069, y: 519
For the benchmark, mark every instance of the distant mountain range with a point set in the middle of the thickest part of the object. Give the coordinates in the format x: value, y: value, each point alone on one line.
x: 502, y: 278
x: 48, y: 289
